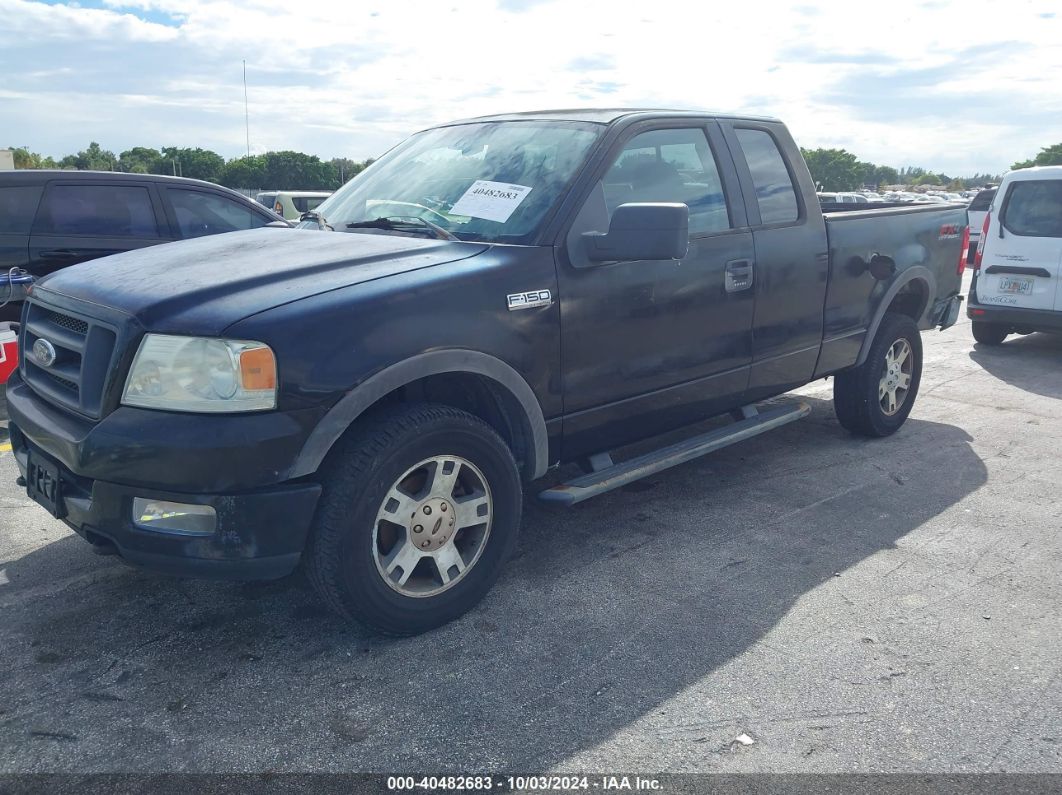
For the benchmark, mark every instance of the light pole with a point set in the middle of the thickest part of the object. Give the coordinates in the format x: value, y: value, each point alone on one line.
x: 246, y: 112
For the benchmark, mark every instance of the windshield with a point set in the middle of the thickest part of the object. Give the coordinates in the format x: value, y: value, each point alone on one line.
x: 492, y: 182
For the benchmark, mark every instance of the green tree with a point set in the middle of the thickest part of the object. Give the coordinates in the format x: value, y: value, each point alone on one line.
x: 24, y: 158
x: 94, y: 158
x: 1049, y: 156
x: 141, y: 160
x: 244, y: 172
x: 290, y: 170
x: 194, y: 163
x: 834, y: 169
x: 885, y: 175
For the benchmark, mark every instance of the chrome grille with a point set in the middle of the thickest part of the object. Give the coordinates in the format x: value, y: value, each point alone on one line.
x: 84, y: 348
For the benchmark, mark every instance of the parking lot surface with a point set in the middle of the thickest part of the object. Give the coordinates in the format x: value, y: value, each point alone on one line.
x: 846, y: 604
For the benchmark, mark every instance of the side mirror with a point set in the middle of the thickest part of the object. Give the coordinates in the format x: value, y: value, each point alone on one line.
x: 642, y: 231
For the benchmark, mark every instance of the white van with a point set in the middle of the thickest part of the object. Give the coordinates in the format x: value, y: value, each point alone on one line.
x: 291, y: 204
x: 1017, y: 283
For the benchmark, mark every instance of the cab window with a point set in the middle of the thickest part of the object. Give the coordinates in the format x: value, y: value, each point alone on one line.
x: 775, y: 193
x: 673, y: 165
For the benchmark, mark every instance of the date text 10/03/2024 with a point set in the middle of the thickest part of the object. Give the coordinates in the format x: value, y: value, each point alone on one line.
x: 521, y: 783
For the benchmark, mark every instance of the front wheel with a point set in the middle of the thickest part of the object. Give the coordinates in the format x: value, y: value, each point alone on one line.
x: 421, y: 506
x: 875, y: 398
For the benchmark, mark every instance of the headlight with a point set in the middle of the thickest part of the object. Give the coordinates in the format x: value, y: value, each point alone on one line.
x: 201, y: 374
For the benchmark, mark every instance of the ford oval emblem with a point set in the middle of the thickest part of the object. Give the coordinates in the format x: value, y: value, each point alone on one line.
x: 44, y: 353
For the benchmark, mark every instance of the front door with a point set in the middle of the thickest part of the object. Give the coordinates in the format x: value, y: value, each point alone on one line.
x: 648, y: 346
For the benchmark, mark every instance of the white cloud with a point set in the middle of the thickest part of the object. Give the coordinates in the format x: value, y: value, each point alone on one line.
x: 904, y: 83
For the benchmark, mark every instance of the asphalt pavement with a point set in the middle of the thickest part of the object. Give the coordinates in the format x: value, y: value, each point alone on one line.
x: 805, y: 601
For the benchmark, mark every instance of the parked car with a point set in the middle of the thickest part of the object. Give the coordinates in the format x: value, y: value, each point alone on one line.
x: 1018, y: 264
x: 292, y: 204
x: 842, y: 198
x: 975, y: 217
x: 53, y: 219
x: 498, y: 296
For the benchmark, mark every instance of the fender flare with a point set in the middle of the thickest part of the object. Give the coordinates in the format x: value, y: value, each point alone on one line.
x: 920, y: 272
x: 352, y: 405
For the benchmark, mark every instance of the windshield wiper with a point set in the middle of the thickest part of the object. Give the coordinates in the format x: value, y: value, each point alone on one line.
x: 317, y: 218
x: 404, y: 223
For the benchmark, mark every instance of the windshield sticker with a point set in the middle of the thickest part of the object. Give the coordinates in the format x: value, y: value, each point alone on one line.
x: 494, y: 201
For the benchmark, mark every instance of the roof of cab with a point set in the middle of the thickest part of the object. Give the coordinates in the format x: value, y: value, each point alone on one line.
x: 602, y: 115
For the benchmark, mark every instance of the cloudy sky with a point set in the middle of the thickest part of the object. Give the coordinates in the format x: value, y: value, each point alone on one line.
x: 951, y: 86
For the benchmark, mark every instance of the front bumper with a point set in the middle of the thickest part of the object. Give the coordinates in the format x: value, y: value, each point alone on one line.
x: 235, y: 464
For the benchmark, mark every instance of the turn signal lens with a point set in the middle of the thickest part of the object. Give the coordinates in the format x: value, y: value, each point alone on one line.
x: 258, y: 369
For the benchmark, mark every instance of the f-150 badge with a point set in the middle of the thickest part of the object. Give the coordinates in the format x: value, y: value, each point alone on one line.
x: 529, y: 300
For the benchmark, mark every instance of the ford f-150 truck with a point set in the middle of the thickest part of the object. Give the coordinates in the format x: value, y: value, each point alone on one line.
x: 365, y: 395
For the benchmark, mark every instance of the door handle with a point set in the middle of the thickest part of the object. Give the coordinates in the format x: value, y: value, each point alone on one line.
x: 739, y: 275
x: 62, y: 253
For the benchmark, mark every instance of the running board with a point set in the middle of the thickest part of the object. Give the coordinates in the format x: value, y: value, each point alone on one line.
x: 617, y: 475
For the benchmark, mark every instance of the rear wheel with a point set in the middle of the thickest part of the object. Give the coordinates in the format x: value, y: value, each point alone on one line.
x: 421, y: 506
x: 988, y: 333
x: 875, y: 398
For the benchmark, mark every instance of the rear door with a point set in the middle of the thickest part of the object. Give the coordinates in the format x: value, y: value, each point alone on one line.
x: 1022, y: 256
x: 791, y: 256
x: 80, y: 221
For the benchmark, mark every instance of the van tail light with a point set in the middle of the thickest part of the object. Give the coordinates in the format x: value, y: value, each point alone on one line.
x: 981, y: 243
x: 964, y: 252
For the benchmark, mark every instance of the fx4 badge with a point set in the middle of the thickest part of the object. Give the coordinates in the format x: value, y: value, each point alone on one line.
x: 530, y: 299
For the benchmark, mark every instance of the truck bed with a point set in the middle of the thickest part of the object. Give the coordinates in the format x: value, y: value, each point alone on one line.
x: 927, y: 237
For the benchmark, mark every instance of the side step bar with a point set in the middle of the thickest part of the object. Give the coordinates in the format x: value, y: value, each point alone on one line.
x: 616, y: 475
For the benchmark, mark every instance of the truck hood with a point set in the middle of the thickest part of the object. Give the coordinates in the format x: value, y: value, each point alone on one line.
x: 204, y: 285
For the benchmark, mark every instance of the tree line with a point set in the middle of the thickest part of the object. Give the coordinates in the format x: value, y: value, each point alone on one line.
x: 832, y: 169
x: 286, y: 170
x: 840, y: 170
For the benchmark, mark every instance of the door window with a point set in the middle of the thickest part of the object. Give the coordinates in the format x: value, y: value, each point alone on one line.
x: 97, y: 211
x: 774, y: 187
x: 199, y: 213
x: 670, y: 166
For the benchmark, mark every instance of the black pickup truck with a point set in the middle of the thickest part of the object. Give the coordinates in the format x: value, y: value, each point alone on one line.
x: 506, y: 294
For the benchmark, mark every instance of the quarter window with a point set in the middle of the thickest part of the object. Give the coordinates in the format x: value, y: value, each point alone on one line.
x: 774, y: 187
x: 670, y: 166
x: 97, y: 211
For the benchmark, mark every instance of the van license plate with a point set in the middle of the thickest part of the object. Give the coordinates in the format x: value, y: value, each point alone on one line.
x: 1009, y: 284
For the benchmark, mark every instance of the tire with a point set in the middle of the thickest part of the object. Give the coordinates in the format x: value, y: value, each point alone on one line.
x: 988, y: 333
x: 858, y: 399
x: 458, y: 482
